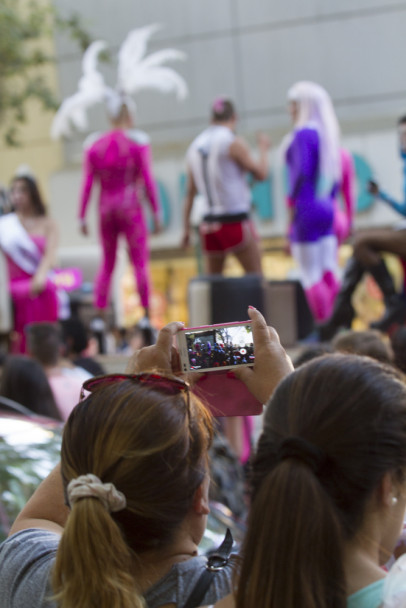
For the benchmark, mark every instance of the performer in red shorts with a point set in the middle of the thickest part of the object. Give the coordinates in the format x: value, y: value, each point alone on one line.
x: 218, y: 162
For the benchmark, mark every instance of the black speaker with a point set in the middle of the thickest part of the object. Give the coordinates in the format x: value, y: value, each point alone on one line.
x: 288, y: 311
x: 217, y: 299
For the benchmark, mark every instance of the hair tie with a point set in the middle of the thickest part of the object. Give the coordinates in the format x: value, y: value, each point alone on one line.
x: 90, y: 486
x: 218, y: 105
x: 303, y: 450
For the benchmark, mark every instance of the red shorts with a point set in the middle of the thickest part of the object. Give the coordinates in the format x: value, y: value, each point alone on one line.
x: 218, y: 237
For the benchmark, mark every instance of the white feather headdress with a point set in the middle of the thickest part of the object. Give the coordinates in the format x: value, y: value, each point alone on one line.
x: 135, y: 72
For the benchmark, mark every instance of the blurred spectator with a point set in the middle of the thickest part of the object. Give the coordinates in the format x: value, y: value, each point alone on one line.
x: 371, y: 343
x: 23, y: 380
x: 44, y: 341
x: 398, y: 342
x: 76, y: 344
x: 311, y: 353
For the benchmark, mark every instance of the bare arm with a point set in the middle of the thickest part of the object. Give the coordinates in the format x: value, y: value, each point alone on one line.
x: 191, y: 192
x: 46, y: 508
x: 240, y: 152
x: 48, y: 260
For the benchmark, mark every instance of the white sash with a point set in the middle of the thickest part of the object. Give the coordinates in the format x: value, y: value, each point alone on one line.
x: 17, y: 244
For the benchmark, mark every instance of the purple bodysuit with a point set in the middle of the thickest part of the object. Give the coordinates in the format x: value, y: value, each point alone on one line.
x: 313, y: 216
x: 121, y: 162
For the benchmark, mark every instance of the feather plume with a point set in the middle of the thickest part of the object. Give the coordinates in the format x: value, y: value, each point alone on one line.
x: 91, y: 90
x: 136, y: 72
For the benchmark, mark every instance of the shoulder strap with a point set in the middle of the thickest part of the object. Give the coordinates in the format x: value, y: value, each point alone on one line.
x: 216, y: 562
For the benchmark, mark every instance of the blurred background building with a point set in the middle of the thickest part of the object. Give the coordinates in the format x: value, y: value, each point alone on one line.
x: 251, y: 51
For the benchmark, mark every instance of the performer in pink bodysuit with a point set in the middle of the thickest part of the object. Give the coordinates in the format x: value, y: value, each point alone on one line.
x: 120, y: 161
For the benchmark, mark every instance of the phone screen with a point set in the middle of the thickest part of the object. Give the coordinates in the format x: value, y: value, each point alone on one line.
x: 219, y: 346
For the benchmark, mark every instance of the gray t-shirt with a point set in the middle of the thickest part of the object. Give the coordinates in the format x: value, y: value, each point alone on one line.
x: 26, y: 559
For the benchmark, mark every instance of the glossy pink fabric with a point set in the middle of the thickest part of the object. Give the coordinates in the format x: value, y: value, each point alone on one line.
x: 122, y: 167
x: 27, y: 308
x: 344, y: 214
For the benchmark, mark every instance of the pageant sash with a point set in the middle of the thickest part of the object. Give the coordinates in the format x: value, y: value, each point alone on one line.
x: 17, y: 244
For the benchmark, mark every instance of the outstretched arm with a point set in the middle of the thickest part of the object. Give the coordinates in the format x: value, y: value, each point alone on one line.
x: 87, y: 184
x: 150, y: 184
x: 48, y: 259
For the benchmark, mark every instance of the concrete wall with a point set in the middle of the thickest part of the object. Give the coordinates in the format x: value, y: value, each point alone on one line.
x: 253, y: 51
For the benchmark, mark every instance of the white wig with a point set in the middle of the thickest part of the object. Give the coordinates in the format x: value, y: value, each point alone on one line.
x: 135, y: 72
x: 315, y: 109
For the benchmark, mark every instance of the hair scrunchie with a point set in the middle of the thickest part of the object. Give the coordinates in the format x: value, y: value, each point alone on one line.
x: 90, y: 486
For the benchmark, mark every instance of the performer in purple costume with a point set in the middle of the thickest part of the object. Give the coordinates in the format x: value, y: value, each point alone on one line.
x: 313, y: 161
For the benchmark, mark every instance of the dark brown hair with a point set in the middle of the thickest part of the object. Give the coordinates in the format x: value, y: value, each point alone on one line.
x: 154, y: 450
x: 332, y: 430
x: 24, y: 380
x: 370, y: 343
x: 34, y: 193
x: 222, y: 110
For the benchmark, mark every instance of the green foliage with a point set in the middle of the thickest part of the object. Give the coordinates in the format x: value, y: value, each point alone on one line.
x: 24, y: 26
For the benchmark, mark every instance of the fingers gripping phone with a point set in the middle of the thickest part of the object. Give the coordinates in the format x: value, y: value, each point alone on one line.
x: 216, y: 347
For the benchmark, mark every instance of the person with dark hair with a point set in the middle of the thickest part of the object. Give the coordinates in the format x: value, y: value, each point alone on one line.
x: 370, y: 343
x: 44, y: 343
x: 328, y: 489
x: 118, y: 524
x: 328, y: 485
x: 218, y: 162
x: 75, y: 342
x: 29, y: 240
x: 398, y: 342
x: 23, y: 380
x: 367, y: 257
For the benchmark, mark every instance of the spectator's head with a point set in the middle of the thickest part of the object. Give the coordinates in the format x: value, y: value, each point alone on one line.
x: 74, y: 335
x: 222, y: 110
x: 398, y: 342
x: 370, y: 343
x: 44, y: 343
x: 141, y: 335
x: 23, y: 380
x: 311, y: 352
x: 329, y: 473
x: 150, y: 438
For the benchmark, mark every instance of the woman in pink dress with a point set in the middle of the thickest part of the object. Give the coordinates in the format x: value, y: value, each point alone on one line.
x: 29, y: 240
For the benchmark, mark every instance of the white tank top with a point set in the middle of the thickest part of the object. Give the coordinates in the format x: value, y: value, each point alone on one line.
x: 218, y: 178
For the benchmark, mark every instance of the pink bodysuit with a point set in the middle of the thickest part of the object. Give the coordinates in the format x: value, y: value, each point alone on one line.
x: 121, y: 162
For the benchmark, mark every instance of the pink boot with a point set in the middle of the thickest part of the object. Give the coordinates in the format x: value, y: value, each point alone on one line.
x: 319, y: 300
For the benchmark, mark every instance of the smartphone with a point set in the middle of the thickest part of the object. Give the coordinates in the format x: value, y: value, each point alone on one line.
x: 216, y: 347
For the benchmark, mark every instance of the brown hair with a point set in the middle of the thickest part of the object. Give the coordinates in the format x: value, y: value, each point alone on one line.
x: 332, y: 430
x: 222, y: 110
x: 34, y: 193
x: 24, y: 380
x: 154, y: 450
x: 44, y: 342
x: 369, y: 343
